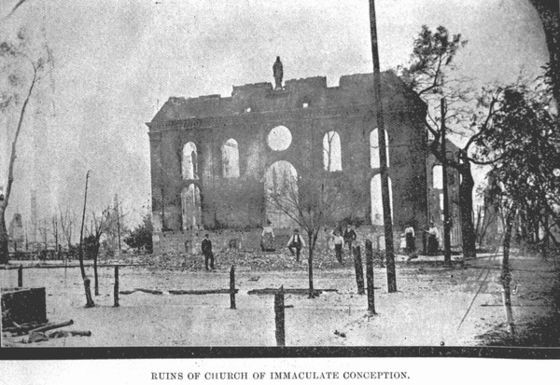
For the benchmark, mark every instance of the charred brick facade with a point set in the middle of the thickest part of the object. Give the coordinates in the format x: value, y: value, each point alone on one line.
x: 202, y: 128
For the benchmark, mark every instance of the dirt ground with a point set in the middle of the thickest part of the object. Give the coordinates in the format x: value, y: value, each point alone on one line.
x: 427, y: 310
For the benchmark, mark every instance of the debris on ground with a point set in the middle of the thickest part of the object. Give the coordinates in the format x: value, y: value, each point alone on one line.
x: 340, y: 334
x: 38, y: 332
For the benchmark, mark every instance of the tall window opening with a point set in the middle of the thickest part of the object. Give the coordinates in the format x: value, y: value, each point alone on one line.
x: 374, y: 148
x: 191, y: 207
x: 230, y: 159
x: 377, y: 201
x: 437, y: 177
x: 281, y: 191
x: 189, y: 164
x: 332, y: 153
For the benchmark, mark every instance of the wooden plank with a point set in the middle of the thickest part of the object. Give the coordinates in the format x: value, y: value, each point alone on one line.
x: 180, y: 292
x: 268, y: 291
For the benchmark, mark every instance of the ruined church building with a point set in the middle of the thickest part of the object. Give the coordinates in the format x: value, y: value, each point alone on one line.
x: 212, y: 157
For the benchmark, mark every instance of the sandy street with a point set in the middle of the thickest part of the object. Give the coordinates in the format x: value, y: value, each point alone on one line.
x: 427, y: 309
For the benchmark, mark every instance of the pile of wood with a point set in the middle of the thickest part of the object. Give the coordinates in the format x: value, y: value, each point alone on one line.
x: 37, y: 332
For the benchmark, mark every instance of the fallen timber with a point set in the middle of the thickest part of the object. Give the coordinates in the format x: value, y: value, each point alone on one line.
x: 270, y: 291
x: 179, y: 292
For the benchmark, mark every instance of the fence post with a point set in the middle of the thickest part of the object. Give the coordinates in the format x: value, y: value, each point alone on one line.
x: 116, y: 287
x: 20, y: 276
x: 369, y: 276
x: 232, y: 287
x: 87, y: 286
x: 279, y: 320
x: 359, y: 269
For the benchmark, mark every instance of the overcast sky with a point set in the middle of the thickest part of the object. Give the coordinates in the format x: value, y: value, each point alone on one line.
x: 116, y: 62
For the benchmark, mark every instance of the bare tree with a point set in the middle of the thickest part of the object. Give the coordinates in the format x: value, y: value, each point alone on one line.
x: 313, y: 200
x: 43, y: 229
x: 67, y: 221
x: 100, y: 223
x: 15, y: 57
x: 55, y: 233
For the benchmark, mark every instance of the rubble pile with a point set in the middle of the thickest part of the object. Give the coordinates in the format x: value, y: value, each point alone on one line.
x: 257, y: 261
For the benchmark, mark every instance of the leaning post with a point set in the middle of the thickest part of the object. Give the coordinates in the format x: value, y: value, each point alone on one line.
x: 87, y: 286
x: 116, y: 287
x: 369, y: 276
x: 359, y: 269
x: 279, y: 317
x: 232, y: 287
x: 20, y: 276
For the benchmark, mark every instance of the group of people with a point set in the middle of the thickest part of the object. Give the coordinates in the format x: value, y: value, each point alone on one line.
x: 432, y: 246
x: 338, y: 237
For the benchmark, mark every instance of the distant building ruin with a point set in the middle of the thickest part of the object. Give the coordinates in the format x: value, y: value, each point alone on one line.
x: 212, y: 156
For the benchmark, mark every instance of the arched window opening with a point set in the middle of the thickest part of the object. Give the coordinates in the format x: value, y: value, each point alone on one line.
x: 230, y: 159
x: 332, y: 154
x: 191, y: 208
x: 189, y: 163
x: 279, y: 138
x: 437, y: 177
x: 374, y: 148
x: 377, y: 201
x: 281, y: 192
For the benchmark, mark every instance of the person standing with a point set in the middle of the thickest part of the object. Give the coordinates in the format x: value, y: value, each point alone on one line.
x: 206, y: 247
x: 410, y: 240
x: 433, y: 236
x: 267, y: 237
x: 338, y: 244
x: 349, y: 237
x: 296, y: 242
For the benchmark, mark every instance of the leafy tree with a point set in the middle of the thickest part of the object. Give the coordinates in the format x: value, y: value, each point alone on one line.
x: 550, y: 17
x: 524, y: 140
x: 451, y: 109
x: 141, y: 236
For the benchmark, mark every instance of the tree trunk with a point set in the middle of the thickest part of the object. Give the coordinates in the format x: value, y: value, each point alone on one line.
x: 95, y: 276
x: 4, y: 252
x: 466, y: 203
x: 506, y: 274
x: 446, y: 219
x: 310, y: 267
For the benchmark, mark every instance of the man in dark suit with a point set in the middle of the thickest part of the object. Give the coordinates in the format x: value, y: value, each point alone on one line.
x: 296, y: 242
x: 349, y: 237
x: 207, y: 251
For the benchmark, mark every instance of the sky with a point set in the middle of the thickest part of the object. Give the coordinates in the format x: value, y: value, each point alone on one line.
x: 114, y: 63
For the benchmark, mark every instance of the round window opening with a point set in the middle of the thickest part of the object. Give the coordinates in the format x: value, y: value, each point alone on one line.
x: 279, y: 138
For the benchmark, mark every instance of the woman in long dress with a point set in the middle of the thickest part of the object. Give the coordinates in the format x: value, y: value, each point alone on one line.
x: 267, y: 237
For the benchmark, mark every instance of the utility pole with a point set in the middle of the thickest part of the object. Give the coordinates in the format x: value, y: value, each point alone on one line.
x: 82, y: 269
x: 446, y: 220
x: 387, y: 217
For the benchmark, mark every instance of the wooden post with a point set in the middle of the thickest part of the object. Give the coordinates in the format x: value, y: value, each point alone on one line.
x: 89, y: 300
x: 359, y: 269
x: 279, y: 319
x: 20, y: 276
x: 369, y: 276
x: 232, y: 287
x: 116, y: 287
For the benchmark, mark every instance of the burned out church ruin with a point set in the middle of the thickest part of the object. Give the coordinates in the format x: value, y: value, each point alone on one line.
x: 212, y: 156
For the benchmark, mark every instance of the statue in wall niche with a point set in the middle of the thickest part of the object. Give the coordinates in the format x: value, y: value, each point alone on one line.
x: 278, y: 71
